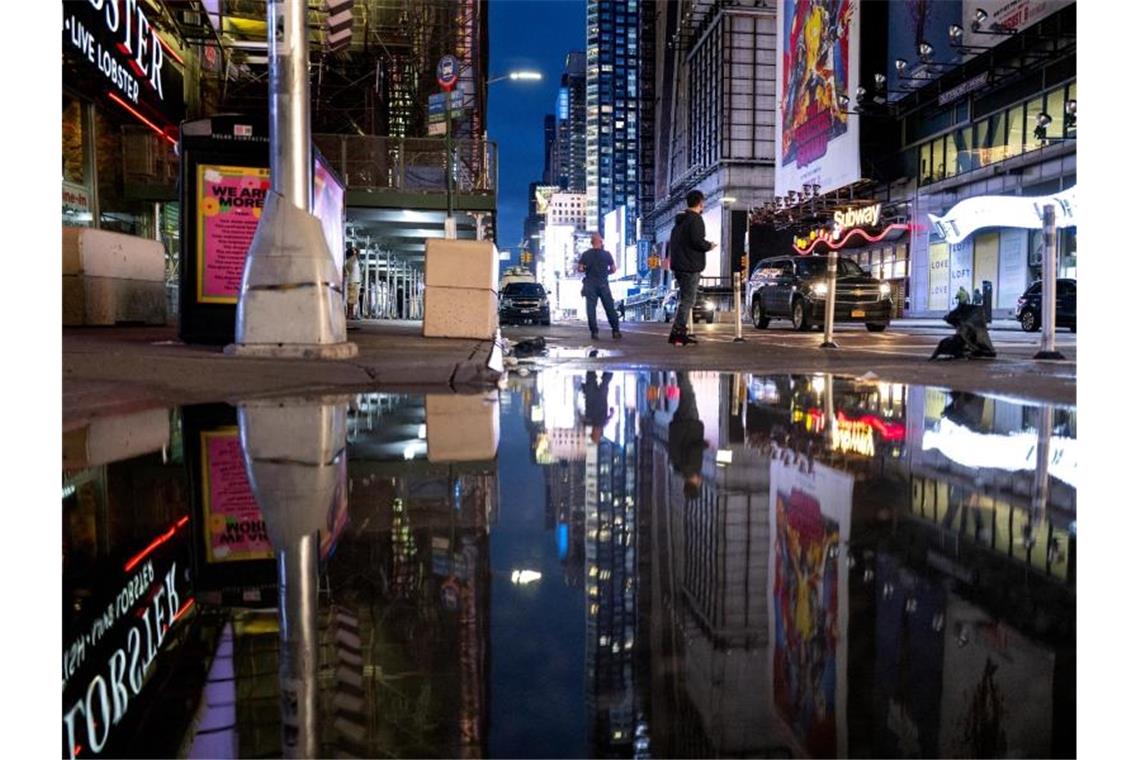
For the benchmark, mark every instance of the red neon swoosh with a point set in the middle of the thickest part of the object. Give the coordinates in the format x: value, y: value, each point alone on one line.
x: 141, y: 118
x: 135, y: 560
x: 836, y: 246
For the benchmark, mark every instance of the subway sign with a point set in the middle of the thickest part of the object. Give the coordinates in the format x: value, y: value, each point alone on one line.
x: 115, y: 43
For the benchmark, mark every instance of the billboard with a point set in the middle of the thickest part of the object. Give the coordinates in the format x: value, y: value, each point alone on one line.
x: 1008, y: 14
x: 912, y: 22
x: 817, y: 141
x: 230, y: 199
x: 328, y: 206
x: 810, y: 521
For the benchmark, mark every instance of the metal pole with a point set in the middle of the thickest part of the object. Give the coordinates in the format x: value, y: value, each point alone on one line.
x: 1040, y: 500
x: 449, y: 228
x: 736, y: 281
x: 829, y: 315
x: 1049, y: 286
x: 388, y: 290
x: 290, y: 158
x: 297, y: 671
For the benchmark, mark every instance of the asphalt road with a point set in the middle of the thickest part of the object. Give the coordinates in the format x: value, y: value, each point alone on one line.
x: 900, y: 354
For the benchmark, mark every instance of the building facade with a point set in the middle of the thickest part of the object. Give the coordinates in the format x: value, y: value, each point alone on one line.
x: 570, y: 144
x: 619, y: 108
x: 715, y: 75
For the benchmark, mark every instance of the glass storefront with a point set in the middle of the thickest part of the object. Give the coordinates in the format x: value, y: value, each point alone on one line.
x: 996, y: 137
x: 890, y: 263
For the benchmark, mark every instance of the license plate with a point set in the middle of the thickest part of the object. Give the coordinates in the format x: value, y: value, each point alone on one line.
x: 858, y: 313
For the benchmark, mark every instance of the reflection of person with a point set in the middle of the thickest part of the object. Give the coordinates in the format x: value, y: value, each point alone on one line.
x: 597, y: 264
x: 687, y: 438
x: 597, y: 395
x: 687, y: 249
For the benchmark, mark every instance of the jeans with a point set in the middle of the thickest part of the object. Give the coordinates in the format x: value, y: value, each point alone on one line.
x: 687, y: 285
x: 593, y: 291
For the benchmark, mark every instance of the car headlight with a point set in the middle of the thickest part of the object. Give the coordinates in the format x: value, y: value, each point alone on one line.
x: 819, y: 290
x: 507, y: 302
x: 709, y: 305
x: 884, y: 289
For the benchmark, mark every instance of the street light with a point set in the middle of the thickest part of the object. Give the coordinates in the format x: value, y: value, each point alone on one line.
x: 518, y: 76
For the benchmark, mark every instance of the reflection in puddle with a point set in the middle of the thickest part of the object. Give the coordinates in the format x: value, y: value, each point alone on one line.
x: 616, y: 564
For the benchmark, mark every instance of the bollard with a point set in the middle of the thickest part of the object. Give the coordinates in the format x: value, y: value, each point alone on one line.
x: 829, y: 314
x: 1049, y: 287
x: 736, y: 284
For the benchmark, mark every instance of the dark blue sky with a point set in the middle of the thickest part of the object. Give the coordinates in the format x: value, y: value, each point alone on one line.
x: 526, y: 34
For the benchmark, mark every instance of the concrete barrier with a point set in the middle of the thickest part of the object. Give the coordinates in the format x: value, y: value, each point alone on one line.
x: 109, y: 277
x: 460, y: 299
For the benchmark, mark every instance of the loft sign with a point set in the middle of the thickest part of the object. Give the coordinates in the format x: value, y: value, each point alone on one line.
x: 116, y: 37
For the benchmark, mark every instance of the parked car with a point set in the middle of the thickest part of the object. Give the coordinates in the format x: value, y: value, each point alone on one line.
x: 703, y: 308
x: 1029, y: 306
x: 521, y: 302
x: 795, y: 288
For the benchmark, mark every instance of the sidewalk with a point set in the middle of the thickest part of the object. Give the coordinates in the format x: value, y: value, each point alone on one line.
x: 938, y: 323
x: 116, y: 370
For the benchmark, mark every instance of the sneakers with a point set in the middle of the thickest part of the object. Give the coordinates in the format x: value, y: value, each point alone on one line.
x: 682, y: 339
x: 689, y: 340
x: 617, y: 334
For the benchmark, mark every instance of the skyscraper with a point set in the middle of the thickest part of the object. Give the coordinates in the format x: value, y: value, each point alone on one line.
x: 570, y: 112
x: 549, y: 150
x: 619, y: 108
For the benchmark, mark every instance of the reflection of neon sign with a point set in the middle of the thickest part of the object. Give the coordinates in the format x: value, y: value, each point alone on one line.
x: 850, y: 436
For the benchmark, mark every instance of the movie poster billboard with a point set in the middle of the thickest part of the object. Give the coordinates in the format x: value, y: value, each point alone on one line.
x: 911, y: 23
x: 810, y: 521
x: 817, y: 139
x: 1004, y: 14
x: 328, y: 206
x: 997, y: 695
x: 230, y: 200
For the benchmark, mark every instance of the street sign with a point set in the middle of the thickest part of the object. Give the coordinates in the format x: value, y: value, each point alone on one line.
x: 438, y: 104
x: 437, y: 128
x: 447, y: 72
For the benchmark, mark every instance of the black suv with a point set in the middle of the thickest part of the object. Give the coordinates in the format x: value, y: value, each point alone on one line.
x: 1029, y: 306
x: 524, y: 302
x: 795, y: 288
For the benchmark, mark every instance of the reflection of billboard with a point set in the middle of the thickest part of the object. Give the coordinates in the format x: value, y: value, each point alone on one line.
x: 997, y: 696
x: 817, y: 141
x: 235, y: 528
x: 909, y: 611
x: 810, y: 519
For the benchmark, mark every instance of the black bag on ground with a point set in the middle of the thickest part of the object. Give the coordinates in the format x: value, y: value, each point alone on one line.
x: 972, y: 339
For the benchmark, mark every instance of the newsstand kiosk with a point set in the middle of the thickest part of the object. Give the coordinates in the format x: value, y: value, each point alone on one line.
x: 224, y: 183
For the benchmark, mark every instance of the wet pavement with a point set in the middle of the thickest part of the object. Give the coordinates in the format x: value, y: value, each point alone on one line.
x: 636, y: 563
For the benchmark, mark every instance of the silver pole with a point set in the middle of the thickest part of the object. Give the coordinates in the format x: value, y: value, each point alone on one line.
x: 829, y: 314
x: 290, y: 159
x: 1040, y: 501
x: 1049, y: 286
x: 388, y: 286
x: 297, y: 613
x: 737, y: 278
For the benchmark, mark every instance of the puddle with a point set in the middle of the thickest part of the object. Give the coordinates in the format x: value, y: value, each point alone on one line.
x: 620, y: 564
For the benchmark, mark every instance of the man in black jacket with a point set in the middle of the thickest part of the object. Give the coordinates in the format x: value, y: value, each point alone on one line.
x: 687, y: 248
